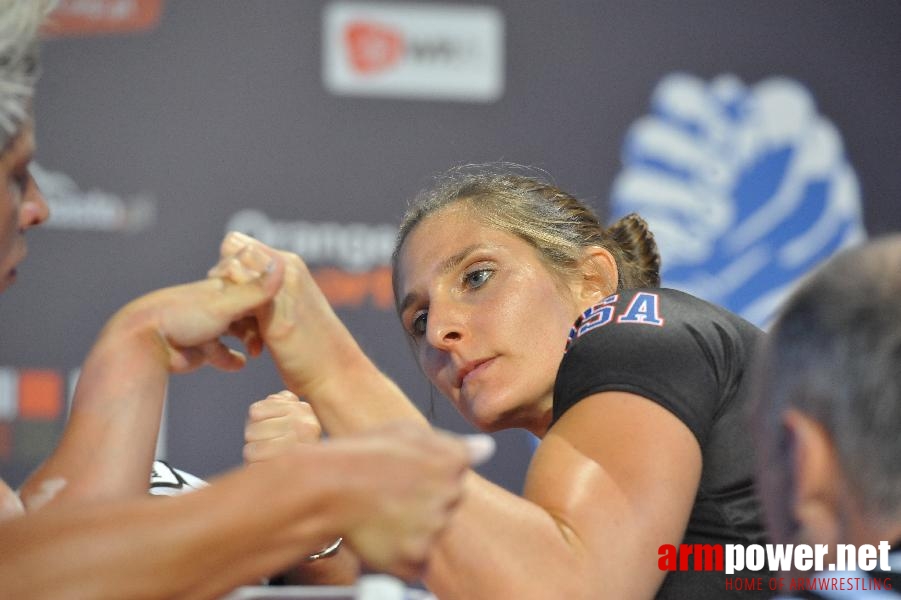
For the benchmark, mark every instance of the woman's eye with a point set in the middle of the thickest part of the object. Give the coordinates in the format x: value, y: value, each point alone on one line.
x: 476, y: 279
x: 417, y: 327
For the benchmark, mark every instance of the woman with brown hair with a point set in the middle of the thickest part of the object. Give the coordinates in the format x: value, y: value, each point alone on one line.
x: 638, y: 407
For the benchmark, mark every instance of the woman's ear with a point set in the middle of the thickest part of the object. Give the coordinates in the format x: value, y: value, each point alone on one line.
x: 599, y: 275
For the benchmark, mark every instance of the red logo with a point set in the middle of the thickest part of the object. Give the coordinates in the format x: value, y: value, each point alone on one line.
x: 92, y: 17
x: 372, y: 47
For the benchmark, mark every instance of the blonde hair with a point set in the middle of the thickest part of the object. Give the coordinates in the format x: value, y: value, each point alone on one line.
x: 19, y: 65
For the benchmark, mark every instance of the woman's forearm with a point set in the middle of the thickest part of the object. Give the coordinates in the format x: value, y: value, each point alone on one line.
x: 357, y: 396
x: 108, y: 443
x: 109, y: 440
x: 196, y: 545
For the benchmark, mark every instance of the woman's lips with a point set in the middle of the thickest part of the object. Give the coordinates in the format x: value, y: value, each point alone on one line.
x: 472, y: 369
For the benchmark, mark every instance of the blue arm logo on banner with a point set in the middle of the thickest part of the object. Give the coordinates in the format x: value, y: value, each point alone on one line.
x: 745, y: 188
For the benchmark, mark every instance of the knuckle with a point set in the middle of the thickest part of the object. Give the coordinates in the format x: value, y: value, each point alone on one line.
x: 255, y: 410
x: 308, y: 431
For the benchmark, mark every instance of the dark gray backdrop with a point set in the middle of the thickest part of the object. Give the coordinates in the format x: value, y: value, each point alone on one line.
x: 222, y: 107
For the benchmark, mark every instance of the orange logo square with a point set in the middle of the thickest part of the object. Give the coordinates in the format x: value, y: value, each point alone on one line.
x: 40, y: 395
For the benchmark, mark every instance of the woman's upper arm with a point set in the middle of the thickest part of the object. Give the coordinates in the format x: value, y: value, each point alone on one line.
x: 619, y: 474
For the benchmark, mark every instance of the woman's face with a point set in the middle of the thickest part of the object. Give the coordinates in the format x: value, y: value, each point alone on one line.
x: 21, y: 204
x: 487, y: 318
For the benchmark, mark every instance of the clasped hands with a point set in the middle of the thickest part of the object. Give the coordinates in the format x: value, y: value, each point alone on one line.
x: 303, y: 333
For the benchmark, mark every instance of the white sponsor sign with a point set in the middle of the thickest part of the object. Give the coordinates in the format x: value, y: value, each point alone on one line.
x: 93, y: 210
x: 9, y: 394
x: 425, y: 51
x: 353, y: 247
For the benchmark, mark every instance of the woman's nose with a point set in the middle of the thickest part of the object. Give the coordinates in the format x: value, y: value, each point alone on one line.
x: 34, y: 209
x: 445, y: 327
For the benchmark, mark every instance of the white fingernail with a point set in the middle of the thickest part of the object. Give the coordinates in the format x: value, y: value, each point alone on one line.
x: 481, y: 447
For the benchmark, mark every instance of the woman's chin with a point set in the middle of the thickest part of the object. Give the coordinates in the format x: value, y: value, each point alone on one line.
x: 487, y: 421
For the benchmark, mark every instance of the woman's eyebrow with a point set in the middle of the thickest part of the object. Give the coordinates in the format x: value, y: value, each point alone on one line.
x: 447, y: 265
x: 450, y: 263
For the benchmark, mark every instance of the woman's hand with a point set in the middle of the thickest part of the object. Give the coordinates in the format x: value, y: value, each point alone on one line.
x: 400, y: 485
x: 278, y: 424
x: 108, y: 444
x: 306, y: 338
x: 188, y: 321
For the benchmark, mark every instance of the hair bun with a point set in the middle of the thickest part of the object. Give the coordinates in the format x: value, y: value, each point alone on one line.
x: 642, y: 259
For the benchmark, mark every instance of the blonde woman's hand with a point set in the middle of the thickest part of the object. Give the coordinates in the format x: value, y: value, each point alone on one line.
x: 186, y: 323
